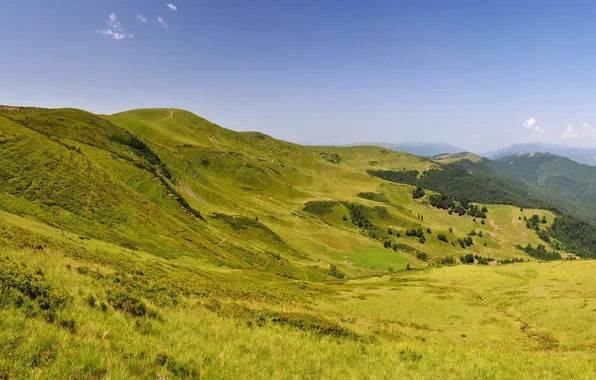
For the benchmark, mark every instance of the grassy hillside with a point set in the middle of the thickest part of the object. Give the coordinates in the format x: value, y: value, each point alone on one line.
x: 559, y: 179
x: 166, y: 245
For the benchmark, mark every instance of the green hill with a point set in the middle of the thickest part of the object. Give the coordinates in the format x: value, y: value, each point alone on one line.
x: 167, y: 245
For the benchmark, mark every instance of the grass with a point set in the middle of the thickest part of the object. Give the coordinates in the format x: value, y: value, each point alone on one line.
x: 169, y: 246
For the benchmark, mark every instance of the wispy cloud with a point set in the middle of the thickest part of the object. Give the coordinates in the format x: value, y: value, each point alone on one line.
x: 114, y: 23
x: 162, y: 22
x: 114, y: 29
x: 111, y: 33
x: 141, y: 18
x: 583, y: 131
x: 172, y: 7
x: 531, y: 124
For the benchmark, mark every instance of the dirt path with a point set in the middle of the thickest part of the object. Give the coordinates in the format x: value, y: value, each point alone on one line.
x: 171, y: 115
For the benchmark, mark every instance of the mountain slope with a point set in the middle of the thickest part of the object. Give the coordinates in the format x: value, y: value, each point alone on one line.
x: 580, y: 155
x: 559, y: 179
x: 418, y: 148
x: 154, y: 243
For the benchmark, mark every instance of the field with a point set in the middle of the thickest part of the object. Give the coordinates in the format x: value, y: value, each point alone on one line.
x: 530, y: 320
x: 155, y: 243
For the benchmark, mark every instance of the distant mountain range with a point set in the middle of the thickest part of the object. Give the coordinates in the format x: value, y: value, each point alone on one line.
x: 579, y: 155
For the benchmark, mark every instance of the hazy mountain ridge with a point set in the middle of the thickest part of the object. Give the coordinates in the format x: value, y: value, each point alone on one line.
x: 580, y: 155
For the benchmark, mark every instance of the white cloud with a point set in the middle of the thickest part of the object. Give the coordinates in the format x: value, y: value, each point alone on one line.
x: 162, y: 22
x: 172, y: 7
x: 113, y: 23
x: 584, y: 131
x: 141, y: 18
x: 569, y: 132
x: 114, y: 29
x: 530, y: 122
x: 114, y: 35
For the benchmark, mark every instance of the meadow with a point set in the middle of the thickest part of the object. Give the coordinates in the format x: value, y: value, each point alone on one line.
x: 155, y: 243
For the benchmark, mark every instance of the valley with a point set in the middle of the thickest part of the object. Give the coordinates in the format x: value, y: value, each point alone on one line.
x: 154, y: 243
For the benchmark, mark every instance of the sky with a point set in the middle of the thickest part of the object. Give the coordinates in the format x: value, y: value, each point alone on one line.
x: 476, y: 74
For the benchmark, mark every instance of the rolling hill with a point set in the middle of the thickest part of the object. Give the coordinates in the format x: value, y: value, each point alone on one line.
x: 418, y: 148
x: 154, y: 243
x: 580, y: 155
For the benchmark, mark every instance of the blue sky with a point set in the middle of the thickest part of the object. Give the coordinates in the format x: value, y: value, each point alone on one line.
x: 476, y: 74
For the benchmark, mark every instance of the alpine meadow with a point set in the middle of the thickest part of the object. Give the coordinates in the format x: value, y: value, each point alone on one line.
x: 154, y: 243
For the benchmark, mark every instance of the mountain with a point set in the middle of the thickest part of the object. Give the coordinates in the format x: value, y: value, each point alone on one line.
x: 560, y: 179
x: 579, y: 155
x: 153, y: 243
x: 418, y: 148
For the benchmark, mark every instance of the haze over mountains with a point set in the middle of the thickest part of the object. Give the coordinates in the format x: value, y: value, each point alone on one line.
x: 585, y: 156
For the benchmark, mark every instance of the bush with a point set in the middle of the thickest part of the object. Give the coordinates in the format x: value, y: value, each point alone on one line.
x: 422, y: 256
x: 127, y: 304
x: 418, y: 193
x: 467, y: 259
x: 482, y: 260
x: 428, y: 231
x: 335, y: 272
x: 25, y: 289
x: 447, y: 260
x: 442, y: 237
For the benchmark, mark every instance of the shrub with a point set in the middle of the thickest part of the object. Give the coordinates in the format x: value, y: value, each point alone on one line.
x: 482, y: 260
x: 422, y: 256
x: 127, y: 304
x: 335, y: 272
x: 442, y: 237
x: 447, y: 260
x: 467, y: 258
x: 418, y: 193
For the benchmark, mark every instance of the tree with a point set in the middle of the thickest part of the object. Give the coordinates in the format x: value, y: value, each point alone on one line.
x: 428, y: 230
x: 544, y: 219
x: 390, y: 231
x: 408, y: 267
x: 484, y: 209
x: 442, y: 237
x: 482, y: 222
x: 480, y: 233
x: 450, y: 230
x: 418, y: 193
